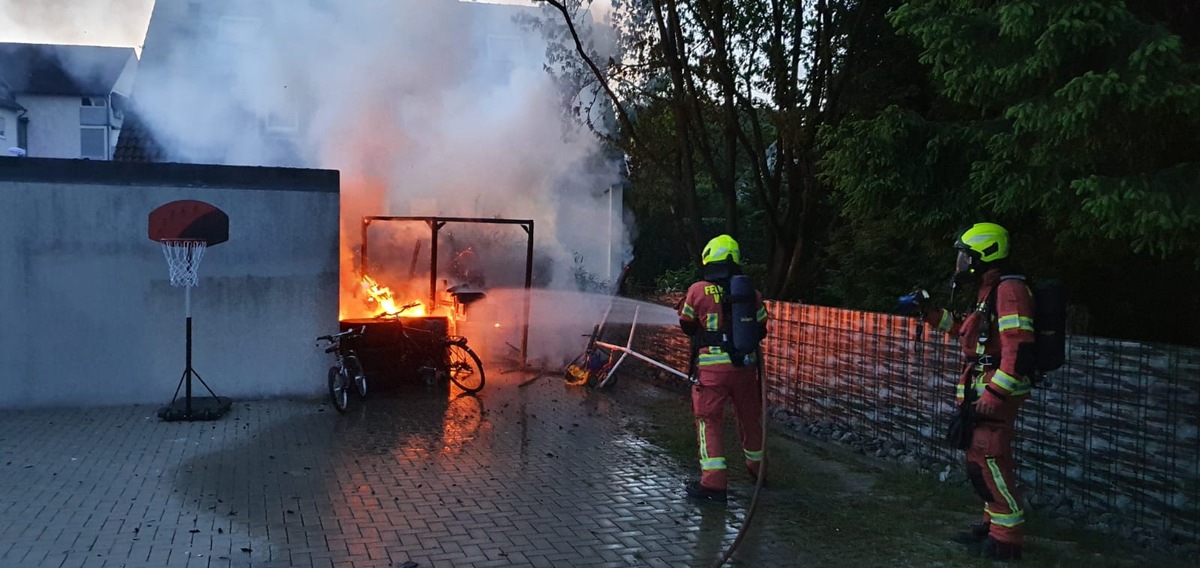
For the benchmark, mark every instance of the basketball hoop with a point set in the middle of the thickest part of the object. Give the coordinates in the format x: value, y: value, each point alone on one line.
x: 185, y: 229
x: 183, y: 260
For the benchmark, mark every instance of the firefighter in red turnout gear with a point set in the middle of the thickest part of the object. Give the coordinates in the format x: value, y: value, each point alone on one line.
x: 998, y: 340
x: 725, y: 375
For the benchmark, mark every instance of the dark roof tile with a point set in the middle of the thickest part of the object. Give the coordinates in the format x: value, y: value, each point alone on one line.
x: 43, y: 69
x: 136, y: 142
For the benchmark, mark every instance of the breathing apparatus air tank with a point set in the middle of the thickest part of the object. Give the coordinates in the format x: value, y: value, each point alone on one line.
x: 745, y: 327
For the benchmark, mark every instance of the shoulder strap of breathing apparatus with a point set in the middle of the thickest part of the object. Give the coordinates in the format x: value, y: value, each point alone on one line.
x: 988, y: 308
x: 1027, y: 356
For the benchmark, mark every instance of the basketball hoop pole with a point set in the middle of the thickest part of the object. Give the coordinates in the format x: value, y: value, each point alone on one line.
x: 187, y: 370
x: 185, y: 229
x: 183, y: 259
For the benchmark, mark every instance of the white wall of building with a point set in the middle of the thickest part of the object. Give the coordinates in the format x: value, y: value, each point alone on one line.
x: 8, y: 130
x: 53, y: 125
x: 87, y: 313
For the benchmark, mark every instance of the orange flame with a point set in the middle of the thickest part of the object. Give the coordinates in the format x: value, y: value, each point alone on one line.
x: 383, y: 297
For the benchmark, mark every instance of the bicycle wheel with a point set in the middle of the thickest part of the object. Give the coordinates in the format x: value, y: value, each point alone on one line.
x: 354, y: 369
x: 339, y: 391
x: 465, y: 370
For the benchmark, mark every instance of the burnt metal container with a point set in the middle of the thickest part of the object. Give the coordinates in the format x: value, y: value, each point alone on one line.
x: 396, y: 351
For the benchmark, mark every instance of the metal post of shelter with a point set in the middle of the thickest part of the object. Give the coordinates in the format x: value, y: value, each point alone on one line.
x: 435, y: 225
x: 528, y: 285
x: 366, y: 269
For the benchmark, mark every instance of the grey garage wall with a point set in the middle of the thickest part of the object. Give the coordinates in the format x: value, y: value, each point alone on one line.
x: 88, y: 315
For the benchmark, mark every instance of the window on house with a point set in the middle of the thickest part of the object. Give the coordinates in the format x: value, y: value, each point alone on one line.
x: 3, y: 127
x: 93, y: 142
x: 93, y: 111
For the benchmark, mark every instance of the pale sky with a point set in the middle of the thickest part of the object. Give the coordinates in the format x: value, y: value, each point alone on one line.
x: 78, y: 22
x: 86, y: 22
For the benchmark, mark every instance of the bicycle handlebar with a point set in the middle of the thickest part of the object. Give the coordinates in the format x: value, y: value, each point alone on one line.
x: 397, y: 313
x: 333, y: 338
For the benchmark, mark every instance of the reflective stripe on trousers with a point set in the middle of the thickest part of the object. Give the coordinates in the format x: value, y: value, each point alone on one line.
x: 991, y: 453
x: 708, y: 404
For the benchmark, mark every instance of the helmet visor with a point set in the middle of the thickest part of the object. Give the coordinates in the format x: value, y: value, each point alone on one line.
x: 962, y: 264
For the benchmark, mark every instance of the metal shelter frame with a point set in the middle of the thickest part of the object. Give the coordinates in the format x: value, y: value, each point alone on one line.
x: 435, y: 224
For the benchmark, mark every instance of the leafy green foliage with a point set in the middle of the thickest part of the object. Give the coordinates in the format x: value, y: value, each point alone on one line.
x: 1074, y: 123
x: 1080, y: 112
x: 720, y: 103
x: 677, y: 280
x: 845, y: 143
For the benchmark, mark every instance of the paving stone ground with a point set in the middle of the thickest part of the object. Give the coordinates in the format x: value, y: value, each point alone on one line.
x: 528, y: 473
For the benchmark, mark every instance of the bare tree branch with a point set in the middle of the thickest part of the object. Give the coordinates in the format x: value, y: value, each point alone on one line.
x: 587, y: 59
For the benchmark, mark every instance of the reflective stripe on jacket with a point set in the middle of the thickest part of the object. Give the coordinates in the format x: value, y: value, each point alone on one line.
x: 702, y: 307
x: 1010, y: 324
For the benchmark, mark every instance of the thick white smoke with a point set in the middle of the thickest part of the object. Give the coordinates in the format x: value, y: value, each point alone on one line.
x: 75, y: 22
x: 427, y: 107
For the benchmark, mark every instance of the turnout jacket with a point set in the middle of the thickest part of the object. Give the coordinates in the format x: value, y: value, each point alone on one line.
x: 1000, y: 363
x: 703, y: 310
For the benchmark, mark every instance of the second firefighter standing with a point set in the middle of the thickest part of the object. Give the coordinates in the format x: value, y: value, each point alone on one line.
x: 997, y: 337
x: 725, y: 374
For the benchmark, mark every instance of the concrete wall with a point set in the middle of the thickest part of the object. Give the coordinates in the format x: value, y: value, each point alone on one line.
x: 87, y: 313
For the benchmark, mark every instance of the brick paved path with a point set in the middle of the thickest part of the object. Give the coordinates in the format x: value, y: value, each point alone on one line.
x: 535, y: 475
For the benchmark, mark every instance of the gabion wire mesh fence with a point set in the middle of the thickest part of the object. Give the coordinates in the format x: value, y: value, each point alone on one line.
x: 1113, y: 438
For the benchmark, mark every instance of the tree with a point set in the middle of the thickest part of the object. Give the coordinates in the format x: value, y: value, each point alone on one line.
x: 742, y: 88
x: 1072, y: 121
x: 1073, y: 111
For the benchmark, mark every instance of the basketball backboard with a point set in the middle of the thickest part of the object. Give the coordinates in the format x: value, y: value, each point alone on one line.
x: 188, y: 219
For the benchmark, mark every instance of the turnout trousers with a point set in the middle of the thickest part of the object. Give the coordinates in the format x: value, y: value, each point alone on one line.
x: 738, y: 385
x: 990, y: 468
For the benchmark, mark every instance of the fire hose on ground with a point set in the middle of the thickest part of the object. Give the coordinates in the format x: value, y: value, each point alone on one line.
x: 609, y: 369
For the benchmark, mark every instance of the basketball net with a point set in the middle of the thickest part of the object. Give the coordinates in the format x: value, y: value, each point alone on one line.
x: 183, y: 260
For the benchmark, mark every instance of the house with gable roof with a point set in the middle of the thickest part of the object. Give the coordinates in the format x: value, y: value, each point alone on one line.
x: 63, y: 101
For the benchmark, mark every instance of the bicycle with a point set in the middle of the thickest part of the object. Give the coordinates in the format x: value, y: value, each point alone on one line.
x: 461, y: 365
x: 346, y: 370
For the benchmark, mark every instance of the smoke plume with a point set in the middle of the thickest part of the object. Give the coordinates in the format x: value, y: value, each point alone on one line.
x: 427, y: 107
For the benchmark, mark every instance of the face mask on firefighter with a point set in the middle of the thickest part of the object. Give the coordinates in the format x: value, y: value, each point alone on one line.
x: 964, y: 268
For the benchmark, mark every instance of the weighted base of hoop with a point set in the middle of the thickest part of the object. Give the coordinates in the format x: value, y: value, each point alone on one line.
x: 193, y: 407
x: 203, y: 408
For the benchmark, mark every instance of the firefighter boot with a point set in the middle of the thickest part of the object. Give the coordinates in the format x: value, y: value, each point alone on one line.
x: 702, y: 493
x: 754, y: 477
x: 993, y: 549
x: 973, y: 537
